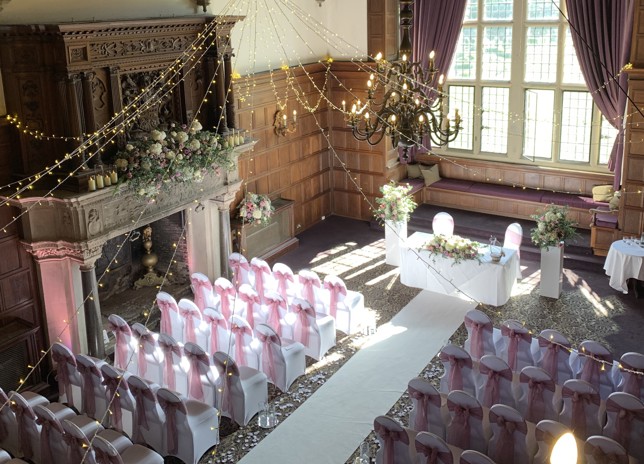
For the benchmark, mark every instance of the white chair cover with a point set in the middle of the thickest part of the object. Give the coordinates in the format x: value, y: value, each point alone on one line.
x: 227, y: 296
x: 465, y: 429
x: 262, y: 277
x: 625, y: 422
x: 194, y: 329
x: 317, y: 335
x: 252, y: 305
x: 594, y: 364
x: 175, y: 365
x: 241, y: 390
x: 508, y: 442
x: 219, y: 336
x: 27, y: 426
x: 148, y: 417
x: 480, y: 331
x: 515, y: 345
x: 443, y: 224
x: 553, y: 355
x: 536, y: 401
x: 4, y: 456
x: 191, y: 427
x: 547, y: 432
x: 125, y: 345
x: 50, y: 417
x: 604, y: 450
x: 428, y: 445
x: 69, y: 380
x: 240, y: 269
x: 94, y: 394
x: 394, y: 442
x: 284, y: 280
x: 631, y: 366
x: 426, y: 414
x: 495, y: 382
x: 581, y: 406
x: 310, y: 289
x: 171, y: 322
x: 345, y: 306
x: 8, y: 426
x: 77, y: 433
x: 282, y: 360
x: 201, y: 375
x: 203, y: 291
x: 149, y: 356
x: 474, y: 457
x: 247, y: 350
x: 458, y: 373
x: 119, y: 398
x: 276, y: 310
x: 512, y: 240
x: 106, y: 453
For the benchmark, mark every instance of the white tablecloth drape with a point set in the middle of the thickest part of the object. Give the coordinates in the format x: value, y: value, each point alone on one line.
x: 624, y: 261
x: 484, y: 281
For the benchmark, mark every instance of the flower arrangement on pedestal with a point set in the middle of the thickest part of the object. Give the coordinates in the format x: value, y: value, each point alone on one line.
x: 182, y: 154
x: 453, y: 247
x: 256, y: 208
x: 553, y: 227
x: 396, y: 204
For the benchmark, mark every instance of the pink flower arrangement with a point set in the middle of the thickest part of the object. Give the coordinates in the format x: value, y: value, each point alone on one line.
x: 454, y: 247
x: 255, y: 208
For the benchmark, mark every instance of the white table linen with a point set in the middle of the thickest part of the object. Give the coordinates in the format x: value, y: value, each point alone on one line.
x: 485, y: 281
x: 624, y: 261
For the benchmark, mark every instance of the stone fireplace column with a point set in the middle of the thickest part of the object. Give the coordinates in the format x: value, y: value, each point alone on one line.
x: 92, y: 307
x: 223, y: 203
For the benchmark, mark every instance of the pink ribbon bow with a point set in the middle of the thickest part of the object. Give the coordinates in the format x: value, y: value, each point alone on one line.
x: 281, y: 278
x: 476, y: 339
x: 188, y: 317
x: 274, y: 313
x: 140, y: 395
x: 239, y: 331
x: 434, y: 456
x: 269, y: 344
x: 602, y: 457
x: 550, y: 362
x: 632, y: 379
x: 23, y: 415
x: 89, y: 401
x: 504, y: 452
x: 424, y: 400
x: 64, y: 383
x: 623, y: 421
x: 168, y: 363
x: 456, y: 366
x: 579, y: 401
x: 536, y: 403
x: 196, y: 360
x: 166, y: 322
x: 214, y: 323
x: 121, y: 333
x: 199, y: 288
x: 515, y: 337
x: 103, y: 457
x: 170, y: 409
x: 225, y: 293
x: 308, y: 282
x: 251, y: 299
x: 492, y: 388
x: 592, y: 365
x: 46, y: 456
x: 237, y: 265
x: 389, y: 438
x: 335, y: 290
x: 75, y: 446
x: 259, y: 269
x: 302, y: 326
x: 112, y: 386
x: 459, y: 429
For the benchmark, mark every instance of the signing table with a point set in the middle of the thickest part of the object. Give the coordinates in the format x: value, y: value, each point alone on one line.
x: 483, y: 280
x: 624, y: 261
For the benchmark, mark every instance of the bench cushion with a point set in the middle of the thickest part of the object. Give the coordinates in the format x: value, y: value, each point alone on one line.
x: 454, y: 184
x: 507, y: 191
x: 416, y: 184
x: 574, y: 201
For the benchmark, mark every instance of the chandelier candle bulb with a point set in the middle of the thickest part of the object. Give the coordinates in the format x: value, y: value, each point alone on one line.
x: 294, y: 115
x: 344, y: 106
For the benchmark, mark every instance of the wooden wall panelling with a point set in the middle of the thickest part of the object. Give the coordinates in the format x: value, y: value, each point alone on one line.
x: 382, y: 28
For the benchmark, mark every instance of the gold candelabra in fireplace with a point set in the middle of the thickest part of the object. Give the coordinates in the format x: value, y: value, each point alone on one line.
x: 149, y: 260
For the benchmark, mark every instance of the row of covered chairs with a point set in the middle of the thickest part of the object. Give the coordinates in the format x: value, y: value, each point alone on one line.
x: 552, y: 351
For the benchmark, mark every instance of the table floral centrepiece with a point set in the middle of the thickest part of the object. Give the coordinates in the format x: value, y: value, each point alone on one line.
x: 255, y: 209
x: 553, y: 227
x: 453, y: 247
x: 159, y: 158
x: 396, y: 204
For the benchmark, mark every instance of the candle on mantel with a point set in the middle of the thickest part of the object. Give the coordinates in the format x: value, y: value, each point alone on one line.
x: 99, y: 182
x: 114, y: 177
x: 107, y: 180
x: 91, y: 184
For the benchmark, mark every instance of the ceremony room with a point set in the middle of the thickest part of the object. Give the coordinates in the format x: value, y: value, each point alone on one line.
x: 322, y: 231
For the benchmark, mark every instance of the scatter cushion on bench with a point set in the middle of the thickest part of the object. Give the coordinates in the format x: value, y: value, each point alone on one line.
x: 603, y: 193
x: 606, y: 220
x: 431, y: 174
x: 413, y: 171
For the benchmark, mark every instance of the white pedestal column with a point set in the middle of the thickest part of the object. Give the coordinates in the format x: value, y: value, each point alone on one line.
x: 551, y: 271
x: 395, y: 234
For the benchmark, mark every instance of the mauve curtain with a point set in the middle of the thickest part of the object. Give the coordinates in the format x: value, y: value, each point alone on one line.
x: 601, y: 31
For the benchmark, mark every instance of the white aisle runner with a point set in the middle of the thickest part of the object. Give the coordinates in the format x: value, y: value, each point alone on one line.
x: 333, y: 422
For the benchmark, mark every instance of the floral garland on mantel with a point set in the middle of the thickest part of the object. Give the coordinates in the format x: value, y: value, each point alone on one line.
x: 454, y: 247
x: 159, y: 158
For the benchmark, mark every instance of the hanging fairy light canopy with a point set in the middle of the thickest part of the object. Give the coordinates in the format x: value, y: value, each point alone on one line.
x: 411, y: 108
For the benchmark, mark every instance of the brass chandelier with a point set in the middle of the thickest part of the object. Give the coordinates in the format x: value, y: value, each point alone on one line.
x: 411, y: 108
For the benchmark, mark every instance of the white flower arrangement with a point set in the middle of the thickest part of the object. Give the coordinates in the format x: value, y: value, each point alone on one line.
x: 255, y: 208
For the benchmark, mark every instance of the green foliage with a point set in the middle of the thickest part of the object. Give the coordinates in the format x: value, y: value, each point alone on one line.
x: 553, y: 227
x: 396, y: 204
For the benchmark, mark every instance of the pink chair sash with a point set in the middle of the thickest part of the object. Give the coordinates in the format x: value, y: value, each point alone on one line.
x: 515, y: 337
x: 302, y: 326
x: 200, y: 287
x: 23, y: 415
x: 194, y: 375
x: 166, y: 321
x: 120, y: 353
x: 75, y: 446
x: 602, y: 457
x: 492, y: 392
x: 228, y: 373
x: 623, y: 421
x: 460, y: 425
x: 578, y: 413
x: 214, y: 323
x: 189, y: 320
x: 592, y: 365
x: 550, y: 362
x: 140, y: 395
x: 103, y: 457
x: 112, y: 386
x: 274, y: 313
x: 335, y: 290
x: 536, y: 403
x: 46, y: 456
x: 170, y: 409
x: 632, y: 380
x: 434, y: 456
x: 259, y: 270
x: 250, y: 299
x: 476, y: 339
x: 545, y: 436
x: 237, y: 266
x: 281, y: 278
x: 225, y: 293
x: 89, y: 401
x: 143, y: 339
x: 424, y: 400
x: 239, y: 331
x: 504, y: 452
x: 307, y: 283
x: 168, y: 363
x: 455, y: 373
x: 64, y: 383
x: 389, y: 439
x: 269, y: 344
